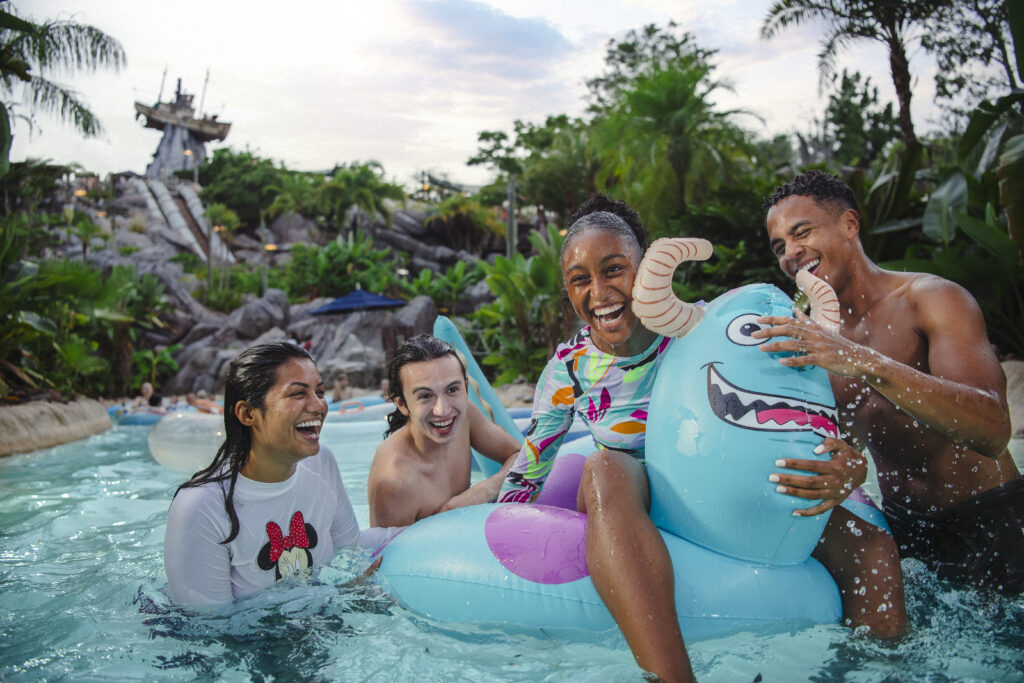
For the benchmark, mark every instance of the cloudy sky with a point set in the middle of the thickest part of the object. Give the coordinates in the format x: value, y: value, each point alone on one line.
x: 409, y: 83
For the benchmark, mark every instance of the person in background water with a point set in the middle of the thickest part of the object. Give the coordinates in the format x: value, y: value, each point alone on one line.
x: 145, y: 392
x: 423, y: 466
x: 341, y: 390
x: 203, y: 404
x: 917, y: 382
x: 272, y: 504
x: 156, y: 405
x: 605, y: 374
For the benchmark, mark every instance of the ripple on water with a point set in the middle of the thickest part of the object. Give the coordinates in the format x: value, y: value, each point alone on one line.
x: 82, y: 597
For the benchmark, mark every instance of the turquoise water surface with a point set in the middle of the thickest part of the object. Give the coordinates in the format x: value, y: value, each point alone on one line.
x: 82, y: 597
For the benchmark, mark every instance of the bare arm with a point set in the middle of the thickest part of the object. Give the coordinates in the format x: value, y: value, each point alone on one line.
x: 390, y: 497
x: 962, y: 398
x: 493, y: 442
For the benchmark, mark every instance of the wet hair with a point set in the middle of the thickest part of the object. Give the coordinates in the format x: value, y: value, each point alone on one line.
x: 601, y: 212
x: 827, y: 190
x: 418, y: 349
x: 251, y: 375
x: 155, y: 400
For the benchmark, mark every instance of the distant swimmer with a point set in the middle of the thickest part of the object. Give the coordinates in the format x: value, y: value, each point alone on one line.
x: 201, y: 402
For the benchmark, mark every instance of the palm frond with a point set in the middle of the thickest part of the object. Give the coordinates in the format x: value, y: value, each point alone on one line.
x: 50, y: 97
x: 66, y: 46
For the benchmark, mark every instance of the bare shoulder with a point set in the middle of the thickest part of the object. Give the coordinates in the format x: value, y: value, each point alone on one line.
x: 937, y: 300
x: 389, y: 487
x: 387, y: 459
x: 927, y: 285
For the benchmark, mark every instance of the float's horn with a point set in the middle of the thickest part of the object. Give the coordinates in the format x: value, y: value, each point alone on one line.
x: 654, y: 302
x: 824, y: 302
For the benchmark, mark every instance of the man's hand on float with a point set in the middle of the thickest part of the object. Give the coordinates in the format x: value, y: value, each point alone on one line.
x: 815, y: 344
x: 832, y: 480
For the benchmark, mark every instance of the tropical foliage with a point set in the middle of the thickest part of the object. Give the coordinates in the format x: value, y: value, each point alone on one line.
x: 947, y: 202
x: 656, y: 139
x: 521, y: 328
x: 31, y: 53
x: 65, y: 325
x: 344, y: 264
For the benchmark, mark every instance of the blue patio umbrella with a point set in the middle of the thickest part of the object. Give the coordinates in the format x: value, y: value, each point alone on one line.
x: 357, y: 300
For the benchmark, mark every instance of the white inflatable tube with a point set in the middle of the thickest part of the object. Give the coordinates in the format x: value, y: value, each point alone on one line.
x: 186, y: 442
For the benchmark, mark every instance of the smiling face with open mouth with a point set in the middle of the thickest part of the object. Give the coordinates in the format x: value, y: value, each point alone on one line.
x: 598, y: 268
x: 434, y: 398
x: 749, y: 409
x: 287, y: 428
x: 805, y: 235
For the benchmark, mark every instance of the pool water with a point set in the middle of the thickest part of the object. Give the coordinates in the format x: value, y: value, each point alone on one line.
x: 82, y: 597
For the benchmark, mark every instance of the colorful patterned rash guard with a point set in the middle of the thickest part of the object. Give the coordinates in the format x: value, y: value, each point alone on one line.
x: 610, y: 394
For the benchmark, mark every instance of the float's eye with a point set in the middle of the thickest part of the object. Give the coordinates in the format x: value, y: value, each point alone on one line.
x: 742, y: 327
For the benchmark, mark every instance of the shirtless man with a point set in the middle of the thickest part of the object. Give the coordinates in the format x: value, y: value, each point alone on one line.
x: 423, y: 465
x: 918, y: 384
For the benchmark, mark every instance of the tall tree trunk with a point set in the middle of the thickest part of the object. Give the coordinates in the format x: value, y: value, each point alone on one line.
x: 900, y: 68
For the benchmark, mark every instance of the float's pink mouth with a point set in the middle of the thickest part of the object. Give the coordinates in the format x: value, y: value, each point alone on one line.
x: 767, y: 412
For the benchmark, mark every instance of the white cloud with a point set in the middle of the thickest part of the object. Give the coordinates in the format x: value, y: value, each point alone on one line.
x: 407, y: 82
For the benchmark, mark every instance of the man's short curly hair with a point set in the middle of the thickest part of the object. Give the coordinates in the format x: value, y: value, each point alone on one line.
x: 824, y: 188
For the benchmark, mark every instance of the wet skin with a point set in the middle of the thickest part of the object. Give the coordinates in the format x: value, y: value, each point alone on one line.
x: 626, y: 556
x: 287, y: 428
x: 424, y: 467
x: 598, y: 268
x: 913, y: 372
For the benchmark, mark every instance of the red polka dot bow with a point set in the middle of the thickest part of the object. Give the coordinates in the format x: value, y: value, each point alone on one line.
x: 296, y: 537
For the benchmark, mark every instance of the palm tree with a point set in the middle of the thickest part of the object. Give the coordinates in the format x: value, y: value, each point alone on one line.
x: 30, y: 52
x: 886, y: 21
x: 294, y: 193
x: 357, y: 187
x: 562, y: 175
x: 666, y: 147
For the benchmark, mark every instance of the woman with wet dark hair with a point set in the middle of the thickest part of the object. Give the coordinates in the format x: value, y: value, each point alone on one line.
x: 272, y: 504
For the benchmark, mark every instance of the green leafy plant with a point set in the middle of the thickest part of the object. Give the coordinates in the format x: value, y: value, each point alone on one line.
x: 339, y: 267
x: 153, y: 365
x: 190, y: 261
x: 446, y: 289
x: 521, y: 328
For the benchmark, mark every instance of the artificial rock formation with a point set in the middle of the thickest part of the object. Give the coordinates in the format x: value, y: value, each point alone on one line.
x: 41, y: 424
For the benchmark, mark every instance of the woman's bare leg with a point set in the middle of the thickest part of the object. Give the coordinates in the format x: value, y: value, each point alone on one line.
x: 629, y: 563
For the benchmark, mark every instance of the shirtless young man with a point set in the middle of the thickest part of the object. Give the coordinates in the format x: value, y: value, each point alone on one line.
x: 423, y: 466
x: 918, y: 384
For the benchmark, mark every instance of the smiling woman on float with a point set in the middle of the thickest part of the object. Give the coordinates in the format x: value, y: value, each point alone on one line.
x: 272, y: 504
x: 605, y: 374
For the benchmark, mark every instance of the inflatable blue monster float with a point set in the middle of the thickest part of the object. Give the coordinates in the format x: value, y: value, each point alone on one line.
x: 721, y: 414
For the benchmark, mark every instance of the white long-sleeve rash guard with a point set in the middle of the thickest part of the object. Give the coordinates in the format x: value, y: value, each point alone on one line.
x: 288, y: 528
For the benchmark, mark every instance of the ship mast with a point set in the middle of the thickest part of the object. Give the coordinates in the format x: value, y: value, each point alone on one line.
x: 163, y: 79
x: 202, y: 98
